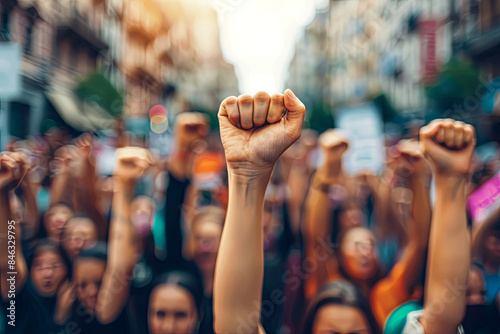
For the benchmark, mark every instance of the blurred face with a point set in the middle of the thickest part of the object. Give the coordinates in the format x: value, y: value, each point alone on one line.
x: 475, y: 288
x: 340, y: 319
x: 55, y: 220
x: 206, y: 236
x: 492, y: 247
x: 79, y: 234
x: 358, y: 253
x: 171, y: 310
x: 47, y: 272
x: 351, y: 217
x: 87, y: 275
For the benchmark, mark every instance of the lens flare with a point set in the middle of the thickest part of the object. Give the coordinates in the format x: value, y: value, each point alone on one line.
x: 157, y: 110
x: 159, y: 128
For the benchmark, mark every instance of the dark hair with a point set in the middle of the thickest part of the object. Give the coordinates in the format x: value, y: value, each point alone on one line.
x: 186, y: 281
x: 340, y: 293
x: 98, y: 251
x: 42, y: 232
x: 48, y: 245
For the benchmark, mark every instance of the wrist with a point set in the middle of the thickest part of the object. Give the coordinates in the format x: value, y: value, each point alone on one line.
x: 249, y: 190
x: 123, y: 184
x: 249, y: 172
x: 450, y: 186
x: 329, y: 173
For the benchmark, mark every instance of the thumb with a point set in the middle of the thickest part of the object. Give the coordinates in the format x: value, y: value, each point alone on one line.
x: 430, y: 130
x: 296, y: 110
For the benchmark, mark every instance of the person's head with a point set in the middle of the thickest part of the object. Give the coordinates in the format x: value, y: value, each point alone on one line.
x: 346, y: 216
x: 174, y: 304
x: 142, y: 213
x: 492, y: 244
x: 206, y: 231
x: 55, y: 218
x: 79, y: 233
x: 358, y: 259
x: 88, y: 270
x: 476, y: 289
x: 476, y: 315
x: 339, y: 307
x: 48, y: 268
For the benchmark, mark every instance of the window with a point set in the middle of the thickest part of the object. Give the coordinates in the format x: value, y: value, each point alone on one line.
x: 19, y: 119
x: 4, y: 23
x: 29, y: 38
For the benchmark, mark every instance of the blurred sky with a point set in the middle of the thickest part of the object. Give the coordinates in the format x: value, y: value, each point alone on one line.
x: 258, y: 37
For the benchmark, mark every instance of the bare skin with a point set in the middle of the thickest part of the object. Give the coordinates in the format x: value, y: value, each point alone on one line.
x: 449, y: 146
x: 252, y: 150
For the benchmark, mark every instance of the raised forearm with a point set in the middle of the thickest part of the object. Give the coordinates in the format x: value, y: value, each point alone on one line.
x: 449, y: 258
x: 12, y: 259
x: 317, y: 211
x: 122, y: 254
x: 31, y: 217
x: 418, y: 233
x: 239, y: 269
x: 122, y: 238
x: 59, y: 188
x: 419, y: 227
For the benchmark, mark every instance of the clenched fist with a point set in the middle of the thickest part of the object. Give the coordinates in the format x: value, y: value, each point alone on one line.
x: 333, y: 144
x: 13, y: 169
x: 190, y: 127
x: 411, y: 158
x: 256, y: 130
x: 449, y: 145
x: 131, y: 163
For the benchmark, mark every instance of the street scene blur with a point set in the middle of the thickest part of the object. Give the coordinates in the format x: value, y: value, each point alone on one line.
x: 250, y: 166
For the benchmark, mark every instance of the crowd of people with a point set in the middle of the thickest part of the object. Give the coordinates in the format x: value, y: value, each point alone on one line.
x: 283, y: 242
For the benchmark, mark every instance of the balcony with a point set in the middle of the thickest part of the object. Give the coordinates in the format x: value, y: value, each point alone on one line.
x: 143, y: 19
x: 72, y: 23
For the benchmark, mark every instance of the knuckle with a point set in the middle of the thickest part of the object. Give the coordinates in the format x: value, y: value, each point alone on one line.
x: 245, y: 99
x: 261, y: 97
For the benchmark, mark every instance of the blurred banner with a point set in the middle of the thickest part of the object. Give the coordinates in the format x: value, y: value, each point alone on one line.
x: 428, y: 49
x: 362, y: 124
x: 485, y: 200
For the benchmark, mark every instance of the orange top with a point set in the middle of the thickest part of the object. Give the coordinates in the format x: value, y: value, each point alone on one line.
x: 387, y: 294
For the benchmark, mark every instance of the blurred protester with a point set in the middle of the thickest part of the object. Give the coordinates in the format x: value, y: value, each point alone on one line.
x: 32, y: 296
x: 354, y: 255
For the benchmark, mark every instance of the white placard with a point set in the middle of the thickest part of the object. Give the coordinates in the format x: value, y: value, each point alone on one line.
x: 362, y: 124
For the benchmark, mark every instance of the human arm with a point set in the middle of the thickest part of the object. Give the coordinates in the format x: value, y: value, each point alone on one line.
x: 190, y: 128
x: 122, y: 244
x: 251, y: 152
x: 318, y: 215
x: 449, y: 146
x: 12, y: 172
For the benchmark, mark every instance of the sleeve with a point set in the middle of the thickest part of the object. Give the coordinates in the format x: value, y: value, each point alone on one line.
x: 413, y: 325
x: 174, y: 199
x: 389, y: 293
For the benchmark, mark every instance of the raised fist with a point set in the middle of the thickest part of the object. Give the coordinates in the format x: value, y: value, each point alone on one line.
x: 333, y: 144
x: 13, y: 169
x: 69, y: 159
x: 449, y: 145
x: 131, y: 162
x: 84, y: 143
x: 410, y: 157
x: 256, y: 130
x: 190, y: 127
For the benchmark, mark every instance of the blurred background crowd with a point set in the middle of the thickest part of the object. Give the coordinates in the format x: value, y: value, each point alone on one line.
x: 80, y: 79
